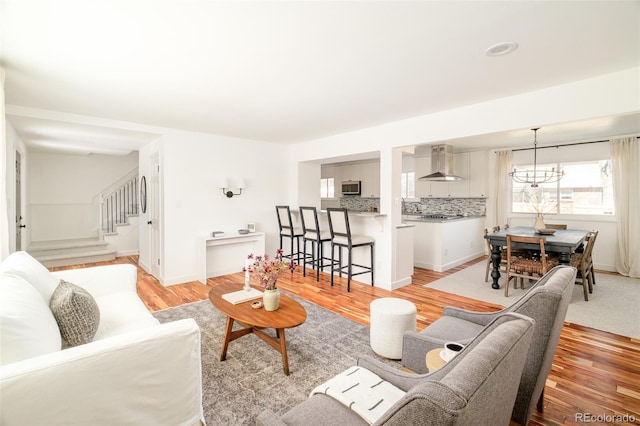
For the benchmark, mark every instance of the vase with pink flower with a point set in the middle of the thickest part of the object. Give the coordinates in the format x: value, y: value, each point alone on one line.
x: 267, y: 270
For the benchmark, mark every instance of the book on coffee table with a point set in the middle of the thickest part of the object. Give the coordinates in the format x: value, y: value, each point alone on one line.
x: 242, y: 296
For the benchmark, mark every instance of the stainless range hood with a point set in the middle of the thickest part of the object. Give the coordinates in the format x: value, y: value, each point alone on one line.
x: 441, y: 165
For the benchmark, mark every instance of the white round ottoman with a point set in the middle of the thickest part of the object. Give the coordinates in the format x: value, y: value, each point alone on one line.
x: 390, y: 318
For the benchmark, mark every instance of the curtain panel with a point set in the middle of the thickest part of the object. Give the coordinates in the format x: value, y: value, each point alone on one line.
x: 625, y: 158
x: 503, y: 186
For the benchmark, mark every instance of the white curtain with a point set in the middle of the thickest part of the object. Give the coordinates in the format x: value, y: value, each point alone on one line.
x: 625, y: 157
x: 4, y: 205
x: 503, y: 186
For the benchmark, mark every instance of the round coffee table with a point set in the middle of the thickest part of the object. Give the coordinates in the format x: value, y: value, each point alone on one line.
x: 290, y: 314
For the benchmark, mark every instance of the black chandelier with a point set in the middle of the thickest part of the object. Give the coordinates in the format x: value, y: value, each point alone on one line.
x: 536, y: 176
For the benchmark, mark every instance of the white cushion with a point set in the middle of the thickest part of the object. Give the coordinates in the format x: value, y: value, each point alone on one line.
x: 102, y: 280
x: 27, y: 326
x: 23, y: 265
x: 356, y: 240
x: 120, y: 313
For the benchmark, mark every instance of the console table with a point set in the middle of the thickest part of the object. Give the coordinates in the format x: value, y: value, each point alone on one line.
x: 227, y: 253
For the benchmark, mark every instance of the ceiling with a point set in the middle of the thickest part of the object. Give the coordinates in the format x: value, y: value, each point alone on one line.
x: 294, y: 71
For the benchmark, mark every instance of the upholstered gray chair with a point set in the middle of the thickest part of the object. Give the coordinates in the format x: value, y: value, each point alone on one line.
x: 546, y: 302
x: 477, y: 387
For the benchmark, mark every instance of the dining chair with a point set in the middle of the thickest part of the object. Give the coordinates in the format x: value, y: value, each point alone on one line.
x: 341, y: 237
x: 583, y: 262
x: 317, y: 238
x: 288, y: 230
x: 523, y: 267
x: 556, y: 225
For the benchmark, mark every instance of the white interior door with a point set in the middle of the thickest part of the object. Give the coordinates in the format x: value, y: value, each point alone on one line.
x: 153, y: 197
x: 19, y: 224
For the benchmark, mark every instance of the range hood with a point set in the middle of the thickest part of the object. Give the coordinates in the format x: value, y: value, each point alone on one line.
x: 441, y: 164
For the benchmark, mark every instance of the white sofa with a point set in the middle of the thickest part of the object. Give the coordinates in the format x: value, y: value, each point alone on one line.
x: 135, y: 370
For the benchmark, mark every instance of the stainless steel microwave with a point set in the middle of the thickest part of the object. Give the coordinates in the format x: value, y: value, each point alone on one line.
x: 351, y: 187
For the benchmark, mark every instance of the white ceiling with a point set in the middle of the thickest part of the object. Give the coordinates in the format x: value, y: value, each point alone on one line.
x: 294, y: 71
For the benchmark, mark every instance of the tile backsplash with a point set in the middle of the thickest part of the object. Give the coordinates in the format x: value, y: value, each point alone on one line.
x: 449, y: 206
x: 361, y: 204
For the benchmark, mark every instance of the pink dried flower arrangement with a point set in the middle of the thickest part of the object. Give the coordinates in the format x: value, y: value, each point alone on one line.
x: 267, y: 270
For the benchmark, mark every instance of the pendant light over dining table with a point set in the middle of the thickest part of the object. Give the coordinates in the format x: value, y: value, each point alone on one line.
x: 536, y: 176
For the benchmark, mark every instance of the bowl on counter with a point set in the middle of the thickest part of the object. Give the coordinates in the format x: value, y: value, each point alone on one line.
x: 243, y: 231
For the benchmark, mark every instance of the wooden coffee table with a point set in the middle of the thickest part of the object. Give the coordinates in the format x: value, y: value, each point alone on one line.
x: 290, y: 314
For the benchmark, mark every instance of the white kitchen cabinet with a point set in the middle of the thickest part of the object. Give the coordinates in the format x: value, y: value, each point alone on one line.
x: 478, y: 169
x: 328, y: 172
x: 350, y: 172
x: 443, y: 245
x: 423, y: 244
x: 460, y: 168
x: 404, y: 255
x: 370, y: 178
x: 422, y: 167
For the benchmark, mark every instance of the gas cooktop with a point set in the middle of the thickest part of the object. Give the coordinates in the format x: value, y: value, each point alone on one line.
x: 439, y: 216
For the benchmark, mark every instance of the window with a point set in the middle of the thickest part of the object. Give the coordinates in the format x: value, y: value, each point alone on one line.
x: 586, y: 188
x: 408, y: 182
x: 326, y: 188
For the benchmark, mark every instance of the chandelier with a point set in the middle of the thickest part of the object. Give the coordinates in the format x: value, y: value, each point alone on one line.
x: 536, y: 176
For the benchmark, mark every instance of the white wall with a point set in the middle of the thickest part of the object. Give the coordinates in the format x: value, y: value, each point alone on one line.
x: 193, y: 204
x: 62, y: 191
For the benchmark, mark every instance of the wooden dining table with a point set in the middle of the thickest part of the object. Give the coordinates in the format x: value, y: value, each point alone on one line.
x: 563, y: 241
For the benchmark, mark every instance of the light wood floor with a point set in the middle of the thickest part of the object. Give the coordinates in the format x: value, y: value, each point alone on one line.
x: 594, y: 372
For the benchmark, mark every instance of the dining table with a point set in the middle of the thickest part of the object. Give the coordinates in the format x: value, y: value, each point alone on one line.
x: 562, y: 241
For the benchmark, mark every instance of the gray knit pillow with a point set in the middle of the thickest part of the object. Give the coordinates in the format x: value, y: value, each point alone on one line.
x: 76, y: 312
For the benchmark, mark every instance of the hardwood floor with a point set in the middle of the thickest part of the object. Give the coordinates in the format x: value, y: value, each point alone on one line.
x: 595, y: 374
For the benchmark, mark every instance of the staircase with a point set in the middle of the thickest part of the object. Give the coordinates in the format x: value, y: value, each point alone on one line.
x: 115, y: 210
x: 72, y: 252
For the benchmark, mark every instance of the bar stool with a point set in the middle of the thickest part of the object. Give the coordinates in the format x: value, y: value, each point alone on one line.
x: 287, y: 230
x: 312, y: 234
x: 341, y: 238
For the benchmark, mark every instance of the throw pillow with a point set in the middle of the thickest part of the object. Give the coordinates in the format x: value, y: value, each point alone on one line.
x: 27, y: 326
x: 76, y: 312
x: 22, y: 264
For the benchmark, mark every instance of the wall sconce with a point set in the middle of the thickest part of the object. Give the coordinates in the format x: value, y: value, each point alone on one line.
x: 226, y: 189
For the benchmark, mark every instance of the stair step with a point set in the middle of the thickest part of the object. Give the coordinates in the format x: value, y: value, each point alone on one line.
x: 71, y: 252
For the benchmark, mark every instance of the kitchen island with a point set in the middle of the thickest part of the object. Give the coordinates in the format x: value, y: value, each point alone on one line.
x: 394, y: 241
x: 444, y: 243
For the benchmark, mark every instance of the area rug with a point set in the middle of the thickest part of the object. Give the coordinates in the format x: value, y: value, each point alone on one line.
x: 613, y: 305
x: 251, y: 379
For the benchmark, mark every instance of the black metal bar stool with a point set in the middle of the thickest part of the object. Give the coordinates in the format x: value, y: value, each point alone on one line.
x: 287, y: 230
x: 341, y: 238
x: 317, y: 238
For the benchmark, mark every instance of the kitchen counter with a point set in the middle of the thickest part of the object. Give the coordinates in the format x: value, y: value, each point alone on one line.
x: 441, y: 244
x: 406, y: 225
x: 360, y: 213
x: 419, y: 218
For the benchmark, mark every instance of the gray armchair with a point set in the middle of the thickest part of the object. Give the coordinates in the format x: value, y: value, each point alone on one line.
x: 546, y: 302
x: 476, y: 387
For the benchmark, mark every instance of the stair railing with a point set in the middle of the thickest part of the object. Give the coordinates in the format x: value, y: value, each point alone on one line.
x: 117, y: 205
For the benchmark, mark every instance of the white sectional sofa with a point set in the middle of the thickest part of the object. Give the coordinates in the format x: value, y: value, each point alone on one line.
x: 134, y: 371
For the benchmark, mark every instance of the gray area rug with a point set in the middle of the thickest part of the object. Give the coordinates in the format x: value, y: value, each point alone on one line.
x: 251, y: 379
x: 613, y: 305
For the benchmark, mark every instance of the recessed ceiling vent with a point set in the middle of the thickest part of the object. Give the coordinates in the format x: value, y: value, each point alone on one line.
x: 441, y: 164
